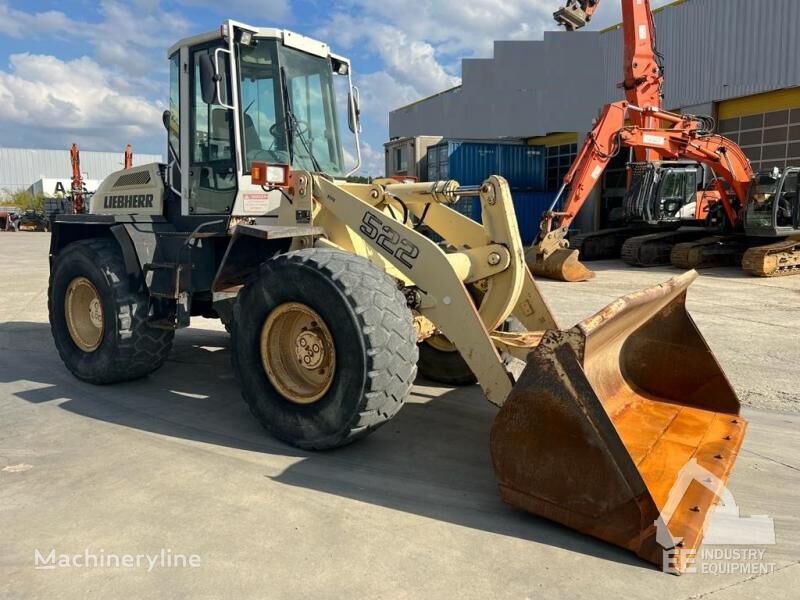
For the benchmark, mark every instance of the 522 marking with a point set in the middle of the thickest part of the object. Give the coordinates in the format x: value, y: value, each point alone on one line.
x: 389, y: 239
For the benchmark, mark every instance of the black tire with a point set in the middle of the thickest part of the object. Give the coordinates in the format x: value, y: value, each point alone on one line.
x: 130, y: 347
x: 373, y: 336
x: 443, y: 366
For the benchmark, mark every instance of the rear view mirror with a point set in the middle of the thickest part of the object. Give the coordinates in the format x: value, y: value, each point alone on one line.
x: 354, y: 111
x: 165, y: 119
x: 208, y: 79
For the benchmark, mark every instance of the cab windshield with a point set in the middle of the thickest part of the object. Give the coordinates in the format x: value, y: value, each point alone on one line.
x: 678, y: 188
x: 762, y: 198
x: 765, y: 191
x: 289, y: 109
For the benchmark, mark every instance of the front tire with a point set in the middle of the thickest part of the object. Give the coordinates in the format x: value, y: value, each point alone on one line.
x: 324, y: 347
x: 99, y: 317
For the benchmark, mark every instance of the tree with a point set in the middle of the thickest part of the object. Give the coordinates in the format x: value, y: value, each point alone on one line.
x: 24, y: 200
x: 359, y: 179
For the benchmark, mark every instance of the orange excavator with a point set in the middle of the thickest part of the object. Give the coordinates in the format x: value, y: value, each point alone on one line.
x: 550, y: 256
x: 654, y: 134
x: 77, y: 188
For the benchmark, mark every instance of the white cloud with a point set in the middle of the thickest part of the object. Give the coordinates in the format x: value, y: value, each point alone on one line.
x: 372, y: 162
x: 103, y: 98
x: 381, y: 92
x: 454, y: 27
x: 70, y: 101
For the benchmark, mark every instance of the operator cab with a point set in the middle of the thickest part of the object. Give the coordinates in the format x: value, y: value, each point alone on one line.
x: 661, y: 190
x: 773, y: 206
x: 243, y: 94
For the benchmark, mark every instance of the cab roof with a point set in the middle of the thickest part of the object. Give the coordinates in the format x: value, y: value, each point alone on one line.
x: 289, y: 38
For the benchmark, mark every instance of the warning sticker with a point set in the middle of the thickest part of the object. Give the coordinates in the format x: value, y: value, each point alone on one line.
x: 256, y: 203
x: 654, y: 140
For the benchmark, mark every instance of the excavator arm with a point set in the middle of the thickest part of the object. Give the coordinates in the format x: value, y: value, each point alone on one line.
x: 78, y: 206
x: 643, y: 65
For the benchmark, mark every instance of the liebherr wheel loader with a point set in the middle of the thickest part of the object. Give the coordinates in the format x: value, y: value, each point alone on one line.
x: 329, y: 287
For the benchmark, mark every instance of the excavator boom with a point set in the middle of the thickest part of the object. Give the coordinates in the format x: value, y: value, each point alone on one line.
x: 643, y: 83
x: 77, y: 181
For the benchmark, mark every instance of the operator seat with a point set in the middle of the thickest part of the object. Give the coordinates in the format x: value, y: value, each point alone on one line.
x: 252, y: 141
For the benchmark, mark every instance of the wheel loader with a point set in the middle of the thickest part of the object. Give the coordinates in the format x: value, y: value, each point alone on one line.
x: 334, y: 297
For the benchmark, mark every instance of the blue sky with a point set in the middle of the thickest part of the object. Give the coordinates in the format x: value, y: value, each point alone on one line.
x: 96, y: 72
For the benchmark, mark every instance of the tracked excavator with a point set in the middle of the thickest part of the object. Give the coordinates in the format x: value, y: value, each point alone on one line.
x: 330, y: 288
x: 767, y: 240
x: 655, y: 134
x: 662, y: 197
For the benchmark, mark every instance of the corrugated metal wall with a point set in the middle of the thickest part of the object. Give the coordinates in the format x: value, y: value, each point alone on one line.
x: 714, y: 50
x: 21, y: 167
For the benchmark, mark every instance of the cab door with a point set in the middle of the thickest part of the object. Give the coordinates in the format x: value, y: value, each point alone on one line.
x: 212, y: 175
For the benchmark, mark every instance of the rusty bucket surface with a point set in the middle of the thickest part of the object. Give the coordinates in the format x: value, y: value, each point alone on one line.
x: 561, y: 265
x: 605, y: 422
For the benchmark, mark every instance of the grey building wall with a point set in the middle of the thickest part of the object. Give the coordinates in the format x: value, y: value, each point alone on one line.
x: 21, y: 167
x: 714, y: 50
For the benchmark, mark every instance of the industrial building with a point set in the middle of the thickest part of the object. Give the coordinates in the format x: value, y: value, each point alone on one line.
x: 737, y: 60
x: 46, y: 171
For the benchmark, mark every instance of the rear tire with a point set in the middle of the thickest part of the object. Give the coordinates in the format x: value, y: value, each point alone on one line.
x: 368, y: 340
x: 444, y: 365
x: 125, y: 346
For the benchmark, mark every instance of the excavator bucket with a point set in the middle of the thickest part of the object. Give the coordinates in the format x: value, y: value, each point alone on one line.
x: 624, y: 427
x: 561, y: 265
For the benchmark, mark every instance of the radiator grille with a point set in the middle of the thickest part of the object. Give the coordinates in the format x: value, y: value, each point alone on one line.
x: 137, y: 178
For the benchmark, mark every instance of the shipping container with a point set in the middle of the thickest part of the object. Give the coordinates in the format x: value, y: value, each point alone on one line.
x: 470, y: 163
x: 528, y: 207
x: 409, y: 156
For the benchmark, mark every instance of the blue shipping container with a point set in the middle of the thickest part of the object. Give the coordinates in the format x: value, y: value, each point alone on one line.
x: 470, y: 163
x: 528, y: 207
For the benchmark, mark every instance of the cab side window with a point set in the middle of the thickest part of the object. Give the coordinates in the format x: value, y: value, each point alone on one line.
x: 788, y: 202
x: 174, y: 126
x: 212, y: 172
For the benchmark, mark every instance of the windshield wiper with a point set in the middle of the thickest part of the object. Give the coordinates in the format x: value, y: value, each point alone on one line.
x: 292, y: 127
x: 289, y: 116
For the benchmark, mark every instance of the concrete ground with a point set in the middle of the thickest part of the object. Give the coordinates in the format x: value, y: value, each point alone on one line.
x: 175, y: 462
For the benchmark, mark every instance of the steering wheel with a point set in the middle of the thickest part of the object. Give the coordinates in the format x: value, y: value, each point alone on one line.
x: 301, y: 128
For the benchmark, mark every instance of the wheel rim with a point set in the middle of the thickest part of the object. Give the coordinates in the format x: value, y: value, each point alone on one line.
x: 441, y: 343
x: 297, y: 353
x: 84, y: 313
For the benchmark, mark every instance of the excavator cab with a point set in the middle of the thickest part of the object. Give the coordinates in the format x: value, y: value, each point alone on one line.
x: 660, y: 191
x: 773, y: 206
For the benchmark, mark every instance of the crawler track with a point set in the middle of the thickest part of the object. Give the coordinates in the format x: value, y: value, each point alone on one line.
x: 654, y: 250
x: 775, y: 260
